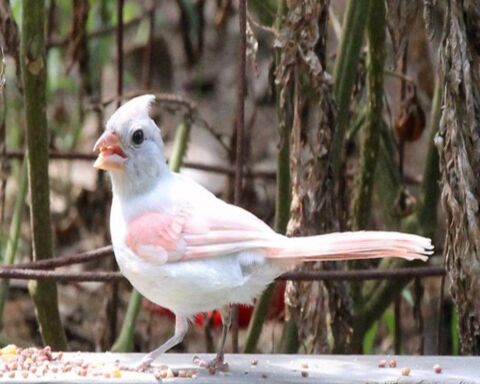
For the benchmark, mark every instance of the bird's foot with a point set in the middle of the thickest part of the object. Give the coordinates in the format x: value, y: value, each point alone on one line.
x: 143, y: 366
x: 217, y: 364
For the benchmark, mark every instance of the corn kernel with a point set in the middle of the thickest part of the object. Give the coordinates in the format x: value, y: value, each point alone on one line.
x: 116, y: 372
x: 10, y: 349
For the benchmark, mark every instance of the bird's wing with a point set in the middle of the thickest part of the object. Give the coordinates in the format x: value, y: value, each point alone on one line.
x: 186, y: 234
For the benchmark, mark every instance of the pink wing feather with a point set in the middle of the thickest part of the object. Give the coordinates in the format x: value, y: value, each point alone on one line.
x: 185, y: 236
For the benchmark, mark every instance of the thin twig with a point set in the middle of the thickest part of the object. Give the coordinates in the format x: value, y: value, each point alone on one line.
x: 332, y: 275
x: 397, y: 336
x: 3, y: 136
x: 171, y: 100
x: 364, y: 274
x: 119, y: 52
x: 240, y: 136
x: 168, y: 98
x: 398, y: 75
x: 35, y: 274
x: 61, y: 261
x: 55, y: 155
x: 112, y: 301
x: 61, y: 42
x: 440, y: 315
x: 148, y: 53
x: 261, y: 27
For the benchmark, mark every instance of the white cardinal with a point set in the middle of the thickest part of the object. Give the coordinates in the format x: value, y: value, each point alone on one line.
x: 187, y: 250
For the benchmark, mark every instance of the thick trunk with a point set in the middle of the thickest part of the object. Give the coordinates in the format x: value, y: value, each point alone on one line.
x: 320, y: 310
x: 459, y: 142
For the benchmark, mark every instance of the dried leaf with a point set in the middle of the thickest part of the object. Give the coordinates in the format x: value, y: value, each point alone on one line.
x: 410, y: 121
x: 401, y: 15
x: 321, y: 311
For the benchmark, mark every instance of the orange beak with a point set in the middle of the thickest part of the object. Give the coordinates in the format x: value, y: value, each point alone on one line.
x: 111, y: 156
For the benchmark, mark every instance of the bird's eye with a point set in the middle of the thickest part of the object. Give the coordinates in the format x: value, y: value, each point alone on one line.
x: 137, y: 137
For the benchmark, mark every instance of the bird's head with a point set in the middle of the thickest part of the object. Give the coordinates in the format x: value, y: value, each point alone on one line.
x: 131, y: 148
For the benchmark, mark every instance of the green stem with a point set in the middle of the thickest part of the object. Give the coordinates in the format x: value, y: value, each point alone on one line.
x: 283, y: 194
x: 289, y: 342
x: 124, y: 342
x: 371, y: 133
x: 264, y: 10
x: 345, y: 72
x: 258, y: 317
x: 14, y: 232
x: 33, y: 65
x: 423, y: 221
x: 282, y: 203
x: 362, y: 194
x: 180, y: 145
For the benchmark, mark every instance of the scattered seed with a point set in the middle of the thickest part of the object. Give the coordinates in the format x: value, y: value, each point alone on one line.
x: 116, y: 372
x: 437, y: 368
x: 405, y: 371
x: 182, y: 373
x: 304, y: 374
x: 392, y: 363
x: 163, y: 373
x: 305, y: 365
x: 254, y: 362
x: 10, y: 349
x: 382, y: 363
x: 264, y: 376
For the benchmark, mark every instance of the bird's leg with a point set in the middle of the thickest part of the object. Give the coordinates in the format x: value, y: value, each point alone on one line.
x: 218, y: 362
x: 181, y: 327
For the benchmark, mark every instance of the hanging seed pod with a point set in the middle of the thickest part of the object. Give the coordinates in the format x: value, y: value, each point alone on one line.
x: 410, y: 121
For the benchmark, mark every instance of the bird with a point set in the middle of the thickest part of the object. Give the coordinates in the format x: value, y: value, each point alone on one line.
x: 187, y: 250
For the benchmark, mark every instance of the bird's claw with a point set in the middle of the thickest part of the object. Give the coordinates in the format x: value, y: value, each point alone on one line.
x: 142, y: 366
x: 214, y: 365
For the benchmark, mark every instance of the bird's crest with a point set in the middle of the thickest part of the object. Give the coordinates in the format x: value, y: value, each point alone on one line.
x: 135, y: 109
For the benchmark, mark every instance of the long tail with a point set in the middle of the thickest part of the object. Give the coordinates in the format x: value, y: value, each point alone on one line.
x: 354, y: 245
